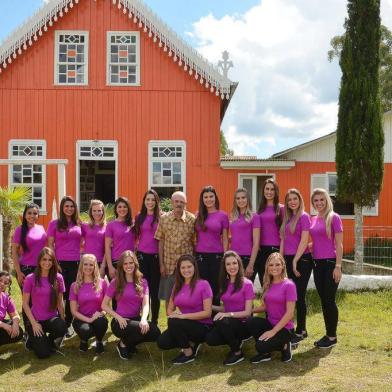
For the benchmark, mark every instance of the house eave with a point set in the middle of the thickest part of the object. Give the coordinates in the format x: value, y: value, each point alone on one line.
x: 257, y: 164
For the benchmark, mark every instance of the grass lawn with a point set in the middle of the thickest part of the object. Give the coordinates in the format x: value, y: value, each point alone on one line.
x: 362, y: 360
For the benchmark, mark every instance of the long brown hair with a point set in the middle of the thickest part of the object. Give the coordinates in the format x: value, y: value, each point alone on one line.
x: 235, y: 212
x: 143, y: 211
x: 179, y: 279
x: 25, y: 226
x: 128, y: 217
x: 203, y: 212
x: 289, y: 214
x: 62, y: 223
x: 267, y: 278
x: 263, y: 201
x: 52, y: 275
x: 9, y: 276
x: 224, y: 277
x: 121, y: 279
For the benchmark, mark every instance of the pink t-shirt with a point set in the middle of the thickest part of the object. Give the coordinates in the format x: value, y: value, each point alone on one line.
x: 66, y: 242
x: 210, y: 240
x: 6, y: 305
x: 192, y: 302
x: 324, y: 247
x: 292, y: 240
x: 147, y: 243
x: 87, y: 298
x: 269, y: 230
x: 94, y: 240
x: 123, y: 238
x: 40, y: 296
x: 35, y: 241
x: 241, y: 232
x: 276, y: 300
x: 235, y: 301
x: 129, y: 304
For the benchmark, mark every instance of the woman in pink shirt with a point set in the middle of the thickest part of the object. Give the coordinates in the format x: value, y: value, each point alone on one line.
x: 245, y: 231
x: 270, y: 215
x: 93, y: 233
x: 294, y: 234
x: 129, y: 321
x: 146, y: 224
x: 86, y: 297
x: 279, y: 296
x: 43, y: 304
x: 326, y: 230
x: 189, y: 312
x: 236, y: 294
x: 64, y: 237
x: 211, y: 226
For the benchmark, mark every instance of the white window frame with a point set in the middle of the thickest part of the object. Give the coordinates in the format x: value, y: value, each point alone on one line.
x: 56, y: 52
x: 95, y: 143
x: 182, y: 160
x: 109, y: 34
x: 29, y: 142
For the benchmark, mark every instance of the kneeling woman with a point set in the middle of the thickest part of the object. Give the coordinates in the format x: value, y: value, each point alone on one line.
x: 237, y: 297
x: 279, y: 297
x: 44, y: 288
x: 189, y: 312
x: 10, y: 331
x: 130, y: 291
x: 86, y: 295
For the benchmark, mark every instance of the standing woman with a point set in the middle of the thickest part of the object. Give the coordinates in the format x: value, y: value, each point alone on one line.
x: 189, y: 312
x: 64, y: 237
x: 146, y: 224
x: 10, y: 331
x: 326, y: 230
x: 86, y: 297
x: 212, y: 237
x: 129, y: 321
x: 270, y: 214
x: 237, y: 296
x: 279, y: 296
x: 245, y: 231
x: 119, y: 235
x: 44, y: 288
x: 294, y: 233
x: 93, y: 233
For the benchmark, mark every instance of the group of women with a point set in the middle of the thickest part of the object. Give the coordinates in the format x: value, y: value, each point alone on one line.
x: 212, y: 298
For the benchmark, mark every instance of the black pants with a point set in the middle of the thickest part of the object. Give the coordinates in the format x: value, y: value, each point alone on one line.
x: 43, y: 345
x: 131, y: 335
x: 262, y: 256
x: 180, y: 332
x: 69, y: 270
x: 86, y: 331
x: 230, y: 331
x: 149, y: 266
x: 5, y: 338
x: 257, y: 326
x: 326, y: 288
x: 26, y: 270
x: 245, y: 263
x: 304, y: 267
x: 209, y: 266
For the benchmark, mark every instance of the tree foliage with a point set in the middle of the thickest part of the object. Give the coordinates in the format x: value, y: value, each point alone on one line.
x: 360, y: 138
x: 385, y: 64
x: 224, y: 147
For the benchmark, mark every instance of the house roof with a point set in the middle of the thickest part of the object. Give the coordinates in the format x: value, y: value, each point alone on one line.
x: 252, y: 162
x: 154, y: 27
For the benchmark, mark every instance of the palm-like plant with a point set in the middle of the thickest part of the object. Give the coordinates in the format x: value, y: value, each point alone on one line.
x: 12, y: 203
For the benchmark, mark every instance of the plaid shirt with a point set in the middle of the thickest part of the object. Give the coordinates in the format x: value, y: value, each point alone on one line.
x: 177, y: 235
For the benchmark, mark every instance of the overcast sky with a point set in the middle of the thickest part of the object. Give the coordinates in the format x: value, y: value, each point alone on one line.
x: 287, y: 91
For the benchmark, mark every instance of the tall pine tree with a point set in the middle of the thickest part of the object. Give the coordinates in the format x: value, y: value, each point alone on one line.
x: 360, y: 138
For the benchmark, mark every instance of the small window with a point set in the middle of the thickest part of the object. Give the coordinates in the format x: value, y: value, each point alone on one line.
x: 71, y: 58
x: 123, y: 58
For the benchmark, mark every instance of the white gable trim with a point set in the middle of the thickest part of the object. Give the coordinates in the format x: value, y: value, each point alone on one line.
x: 156, y: 29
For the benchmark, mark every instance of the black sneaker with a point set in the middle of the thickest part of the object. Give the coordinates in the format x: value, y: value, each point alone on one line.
x: 28, y: 344
x: 298, y: 337
x: 195, y: 349
x: 326, y: 342
x: 261, y: 358
x: 70, y: 332
x: 183, y: 359
x: 83, y: 346
x: 233, y: 358
x: 58, y: 342
x: 287, y: 355
x: 123, y: 352
x: 99, y: 349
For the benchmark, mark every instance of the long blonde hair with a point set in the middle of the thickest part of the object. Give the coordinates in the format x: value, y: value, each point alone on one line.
x: 235, y: 211
x: 267, y: 278
x: 96, y: 202
x: 288, y: 212
x: 80, y: 275
x: 328, y: 212
x: 121, y: 279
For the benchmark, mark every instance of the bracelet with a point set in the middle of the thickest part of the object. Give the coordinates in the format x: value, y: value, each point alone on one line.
x: 338, y: 266
x: 16, y: 317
